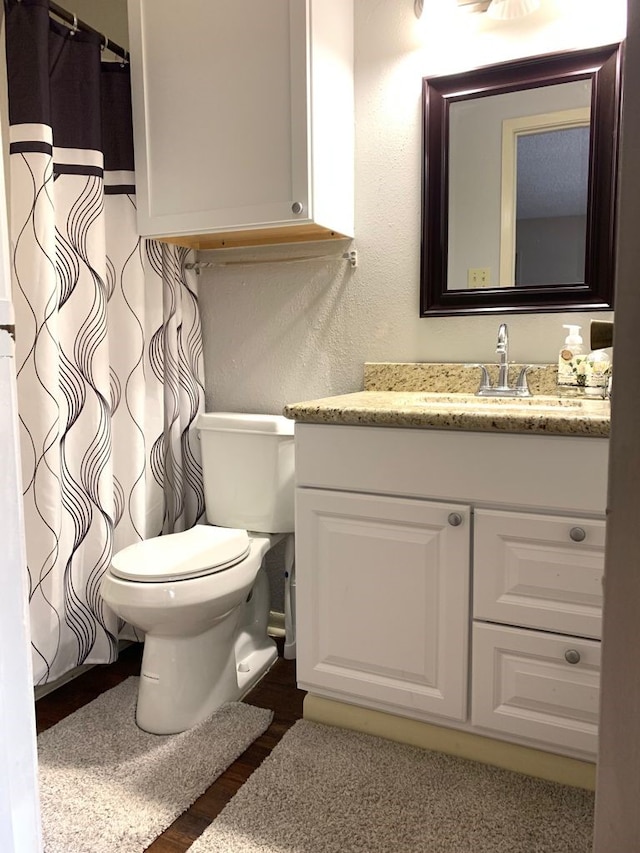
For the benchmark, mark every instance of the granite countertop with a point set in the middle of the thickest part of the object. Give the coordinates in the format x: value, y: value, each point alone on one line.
x: 411, y: 395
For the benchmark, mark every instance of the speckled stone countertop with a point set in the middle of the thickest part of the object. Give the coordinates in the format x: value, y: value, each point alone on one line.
x: 447, y: 378
x: 437, y: 396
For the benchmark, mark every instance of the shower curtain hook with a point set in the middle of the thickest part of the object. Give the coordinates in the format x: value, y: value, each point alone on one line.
x: 74, y: 29
x: 105, y: 46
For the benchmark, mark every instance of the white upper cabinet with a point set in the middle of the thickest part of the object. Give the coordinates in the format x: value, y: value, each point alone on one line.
x: 243, y: 120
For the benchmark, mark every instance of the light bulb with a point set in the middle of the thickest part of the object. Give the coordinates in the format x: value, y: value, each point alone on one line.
x: 507, y: 10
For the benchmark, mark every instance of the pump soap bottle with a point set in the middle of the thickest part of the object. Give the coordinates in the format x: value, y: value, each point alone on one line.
x: 572, y: 364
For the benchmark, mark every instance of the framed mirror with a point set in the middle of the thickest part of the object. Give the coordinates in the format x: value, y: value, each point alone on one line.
x: 519, y: 186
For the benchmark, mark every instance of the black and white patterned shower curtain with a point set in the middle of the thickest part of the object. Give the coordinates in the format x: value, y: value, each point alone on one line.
x: 108, y: 343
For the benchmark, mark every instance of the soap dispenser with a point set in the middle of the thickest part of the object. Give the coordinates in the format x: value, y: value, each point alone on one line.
x: 572, y: 366
x: 598, y: 374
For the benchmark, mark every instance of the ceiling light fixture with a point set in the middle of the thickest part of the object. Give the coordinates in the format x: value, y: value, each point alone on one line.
x: 507, y: 10
x: 434, y: 5
x: 501, y: 10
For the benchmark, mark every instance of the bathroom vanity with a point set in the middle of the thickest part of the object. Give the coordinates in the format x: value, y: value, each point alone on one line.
x: 450, y: 555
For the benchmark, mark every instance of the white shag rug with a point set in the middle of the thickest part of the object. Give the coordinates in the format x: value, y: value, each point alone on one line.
x: 108, y: 787
x: 328, y: 790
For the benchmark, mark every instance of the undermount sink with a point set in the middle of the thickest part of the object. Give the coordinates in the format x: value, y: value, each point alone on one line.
x: 470, y: 401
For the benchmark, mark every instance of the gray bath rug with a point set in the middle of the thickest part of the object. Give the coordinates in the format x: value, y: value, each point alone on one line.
x: 328, y: 790
x: 108, y: 787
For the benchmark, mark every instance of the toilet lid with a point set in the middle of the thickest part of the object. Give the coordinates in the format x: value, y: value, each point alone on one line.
x: 194, y: 553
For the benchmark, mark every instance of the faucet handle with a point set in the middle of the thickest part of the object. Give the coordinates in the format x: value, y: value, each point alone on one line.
x: 485, y: 379
x: 522, y: 386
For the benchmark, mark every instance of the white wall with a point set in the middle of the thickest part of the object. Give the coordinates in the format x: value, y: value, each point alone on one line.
x: 284, y: 333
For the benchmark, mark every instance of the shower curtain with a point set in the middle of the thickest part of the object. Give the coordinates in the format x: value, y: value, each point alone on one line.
x: 108, y: 340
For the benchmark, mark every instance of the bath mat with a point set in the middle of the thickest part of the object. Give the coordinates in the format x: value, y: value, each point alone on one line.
x: 328, y: 790
x: 108, y: 787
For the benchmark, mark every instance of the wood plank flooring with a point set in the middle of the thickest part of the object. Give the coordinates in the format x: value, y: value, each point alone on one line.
x: 276, y: 691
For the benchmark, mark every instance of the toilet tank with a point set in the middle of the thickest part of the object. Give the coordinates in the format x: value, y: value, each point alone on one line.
x: 248, y: 467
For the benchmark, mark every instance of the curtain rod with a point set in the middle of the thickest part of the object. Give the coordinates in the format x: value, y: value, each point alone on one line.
x: 70, y: 18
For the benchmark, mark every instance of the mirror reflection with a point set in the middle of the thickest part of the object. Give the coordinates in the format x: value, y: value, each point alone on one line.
x: 551, y: 192
x: 518, y: 188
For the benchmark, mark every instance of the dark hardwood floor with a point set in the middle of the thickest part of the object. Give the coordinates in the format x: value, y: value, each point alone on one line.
x: 276, y: 691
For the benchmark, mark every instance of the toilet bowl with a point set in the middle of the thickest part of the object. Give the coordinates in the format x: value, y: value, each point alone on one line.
x: 202, y: 596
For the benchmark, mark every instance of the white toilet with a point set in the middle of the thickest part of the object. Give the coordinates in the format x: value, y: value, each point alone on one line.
x: 202, y: 596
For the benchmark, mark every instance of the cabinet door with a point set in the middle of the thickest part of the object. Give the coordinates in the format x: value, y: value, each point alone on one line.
x: 220, y: 113
x: 540, y: 571
x: 382, y: 601
x: 525, y: 685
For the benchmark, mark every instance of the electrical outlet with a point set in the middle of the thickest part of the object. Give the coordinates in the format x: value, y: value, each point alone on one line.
x: 479, y: 277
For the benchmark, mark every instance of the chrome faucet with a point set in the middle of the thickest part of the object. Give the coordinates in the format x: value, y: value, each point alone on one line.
x: 502, y: 351
x: 502, y: 387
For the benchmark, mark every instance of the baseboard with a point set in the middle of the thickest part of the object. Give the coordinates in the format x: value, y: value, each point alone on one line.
x: 41, y: 690
x: 509, y: 756
x: 276, y: 629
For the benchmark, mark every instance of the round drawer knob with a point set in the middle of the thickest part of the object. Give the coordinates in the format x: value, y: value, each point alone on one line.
x: 455, y: 519
x: 572, y: 656
x: 577, y: 534
x: 297, y: 207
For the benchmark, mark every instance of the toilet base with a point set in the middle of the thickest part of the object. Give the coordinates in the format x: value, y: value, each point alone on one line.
x: 184, y: 680
x: 175, y: 695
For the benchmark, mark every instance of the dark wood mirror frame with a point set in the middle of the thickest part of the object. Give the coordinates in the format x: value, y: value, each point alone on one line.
x: 603, y: 67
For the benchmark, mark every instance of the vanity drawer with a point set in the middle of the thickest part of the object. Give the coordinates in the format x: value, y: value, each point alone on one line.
x: 524, y: 686
x: 539, y: 571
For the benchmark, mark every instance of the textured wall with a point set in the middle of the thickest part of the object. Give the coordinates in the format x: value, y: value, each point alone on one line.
x: 110, y: 18
x: 283, y: 333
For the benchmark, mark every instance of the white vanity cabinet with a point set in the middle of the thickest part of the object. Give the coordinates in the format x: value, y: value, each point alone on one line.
x: 532, y: 570
x: 539, y: 571
x: 397, y: 527
x: 383, y: 597
x: 540, y: 687
x: 243, y: 120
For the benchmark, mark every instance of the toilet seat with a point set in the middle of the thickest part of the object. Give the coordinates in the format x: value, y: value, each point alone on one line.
x: 202, y: 550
